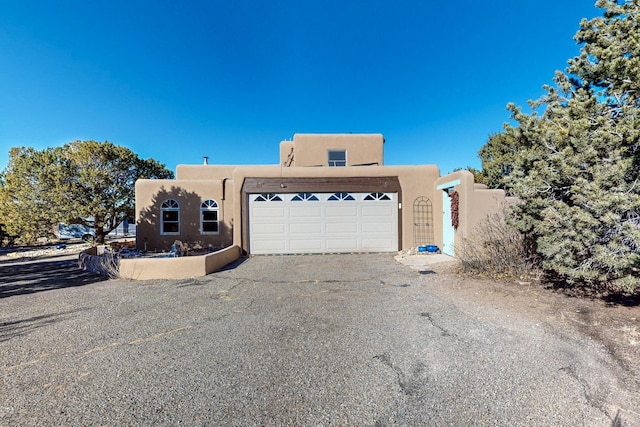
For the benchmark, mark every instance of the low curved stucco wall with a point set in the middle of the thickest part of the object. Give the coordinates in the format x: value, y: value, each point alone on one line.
x: 178, y: 267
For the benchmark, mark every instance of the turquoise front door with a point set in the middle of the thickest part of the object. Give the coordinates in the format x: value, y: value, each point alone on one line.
x: 448, y: 232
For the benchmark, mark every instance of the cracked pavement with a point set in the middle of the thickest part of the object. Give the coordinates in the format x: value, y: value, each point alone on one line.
x: 297, y: 340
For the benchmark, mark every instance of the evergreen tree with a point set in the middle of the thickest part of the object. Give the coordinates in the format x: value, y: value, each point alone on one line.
x: 576, y: 157
x: 84, y: 182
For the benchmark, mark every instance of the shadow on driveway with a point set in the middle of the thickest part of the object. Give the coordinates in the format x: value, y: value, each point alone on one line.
x: 15, y: 328
x: 26, y: 277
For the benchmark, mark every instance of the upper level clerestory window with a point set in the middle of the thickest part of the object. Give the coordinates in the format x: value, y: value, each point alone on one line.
x: 337, y: 158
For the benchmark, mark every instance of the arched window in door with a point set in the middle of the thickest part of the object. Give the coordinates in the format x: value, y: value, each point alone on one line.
x: 422, y: 222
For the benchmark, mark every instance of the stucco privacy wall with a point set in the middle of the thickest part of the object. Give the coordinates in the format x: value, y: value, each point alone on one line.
x: 476, y: 202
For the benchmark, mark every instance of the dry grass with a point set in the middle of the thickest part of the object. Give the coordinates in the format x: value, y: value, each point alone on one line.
x: 496, y: 249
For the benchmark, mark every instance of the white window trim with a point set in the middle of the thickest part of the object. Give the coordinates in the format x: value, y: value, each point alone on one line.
x: 337, y: 151
x: 169, y: 209
x: 209, y: 209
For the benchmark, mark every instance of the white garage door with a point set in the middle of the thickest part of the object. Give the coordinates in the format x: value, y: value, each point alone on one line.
x: 323, y: 223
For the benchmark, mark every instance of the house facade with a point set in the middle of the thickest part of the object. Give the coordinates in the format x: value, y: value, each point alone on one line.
x: 330, y: 193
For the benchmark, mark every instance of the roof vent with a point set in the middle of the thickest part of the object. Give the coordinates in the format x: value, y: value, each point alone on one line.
x: 205, y: 160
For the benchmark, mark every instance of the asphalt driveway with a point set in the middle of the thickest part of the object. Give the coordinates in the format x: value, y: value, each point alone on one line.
x: 298, y: 340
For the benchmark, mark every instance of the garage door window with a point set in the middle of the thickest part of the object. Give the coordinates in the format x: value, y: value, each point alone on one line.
x: 209, y: 217
x: 303, y: 197
x: 268, y: 197
x: 170, y: 214
x: 340, y: 196
x: 377, y: 196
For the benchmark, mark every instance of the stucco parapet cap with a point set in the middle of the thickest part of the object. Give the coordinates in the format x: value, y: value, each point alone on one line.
x: 355, y: 135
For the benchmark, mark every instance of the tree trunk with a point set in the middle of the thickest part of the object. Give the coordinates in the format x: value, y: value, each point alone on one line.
x: 100, y: 236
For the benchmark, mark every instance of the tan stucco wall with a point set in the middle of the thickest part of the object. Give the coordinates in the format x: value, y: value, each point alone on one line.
x: 224, y: 183
x: 313, y: 149
x: 287, y: 157
x: 415, y: 181
x: 190, y: 194
x: 476, y: 202
x: 204, y: 171
x: 179, y: 267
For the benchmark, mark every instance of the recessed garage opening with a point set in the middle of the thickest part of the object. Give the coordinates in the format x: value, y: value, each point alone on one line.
x: 340, y: 222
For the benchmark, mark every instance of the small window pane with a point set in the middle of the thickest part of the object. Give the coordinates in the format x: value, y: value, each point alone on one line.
x: 209, y: 215
x: 170, y: 227
x: 210, y: 227
x: 337, y: 158
x: 209, y: 204
x: 170, y: 216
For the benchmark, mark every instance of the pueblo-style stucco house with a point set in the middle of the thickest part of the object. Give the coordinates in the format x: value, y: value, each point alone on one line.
x: 330, y: 193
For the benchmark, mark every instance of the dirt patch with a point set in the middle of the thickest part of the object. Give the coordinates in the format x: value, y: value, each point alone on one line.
x: 611, y: 323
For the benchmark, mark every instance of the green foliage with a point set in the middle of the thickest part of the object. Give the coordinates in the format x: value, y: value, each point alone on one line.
x: 478, y: 175
x: 497, y: 159
x: 83, y: 182
x: 575, y: 160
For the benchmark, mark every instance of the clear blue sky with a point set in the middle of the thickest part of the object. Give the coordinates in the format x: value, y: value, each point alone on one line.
x: 230, y: 79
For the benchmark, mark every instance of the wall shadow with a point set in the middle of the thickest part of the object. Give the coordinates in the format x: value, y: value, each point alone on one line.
x: 149, y: 222
x: 43, y: 275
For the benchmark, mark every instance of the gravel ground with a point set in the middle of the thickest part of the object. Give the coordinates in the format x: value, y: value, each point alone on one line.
x: 296, y: 340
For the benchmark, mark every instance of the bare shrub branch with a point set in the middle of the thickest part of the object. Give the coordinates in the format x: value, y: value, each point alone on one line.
x: 496, y: 249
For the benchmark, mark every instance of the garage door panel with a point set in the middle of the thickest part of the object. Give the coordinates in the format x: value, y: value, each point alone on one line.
x: 334, y: 211
x: 342, y: 245
x: 305, y: 212
x: 341, y: 227
x: 376, y: 244
x: 323, y: 222
x: 305, y: 228
x: 377, y: 211
x: 305, y: 245
x: 270, y: 246
x: 268, y: 228
x: 376, y: 227
x: 267, y: 212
